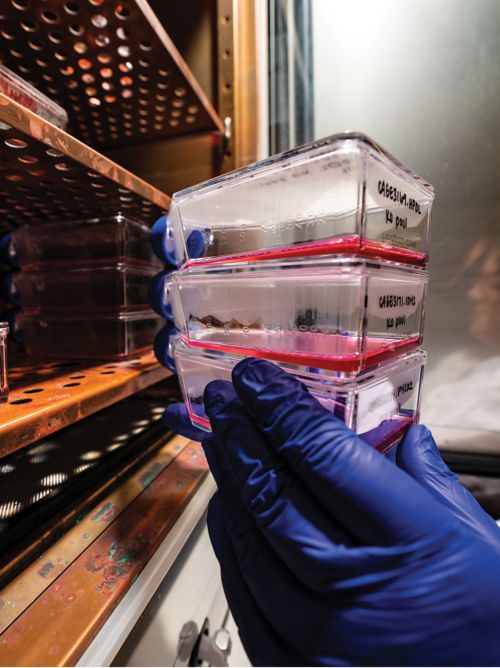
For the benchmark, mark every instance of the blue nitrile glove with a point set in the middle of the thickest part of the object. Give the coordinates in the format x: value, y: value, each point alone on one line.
x: 330, y: 553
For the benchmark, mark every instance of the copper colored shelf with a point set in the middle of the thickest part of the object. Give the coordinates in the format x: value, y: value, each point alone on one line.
x: 46, y: 174
x: 46, y: 397
x: 53, y: 610
x: 111, y: 65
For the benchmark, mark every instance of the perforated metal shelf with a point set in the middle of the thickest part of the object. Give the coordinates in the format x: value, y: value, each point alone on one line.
x: 46, y: 397
x: 46, y: 174
x: 110, y: 64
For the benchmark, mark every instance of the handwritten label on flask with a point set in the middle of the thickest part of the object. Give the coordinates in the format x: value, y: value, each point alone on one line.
x: 396, y: 211
x: 403, y: 204
x: 395, y: 301
x: 384, y: 400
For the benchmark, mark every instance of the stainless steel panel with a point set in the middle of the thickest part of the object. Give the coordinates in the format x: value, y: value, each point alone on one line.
x: 421, y: 77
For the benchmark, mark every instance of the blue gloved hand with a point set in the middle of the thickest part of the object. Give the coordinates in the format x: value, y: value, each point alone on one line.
x: 330, y: 553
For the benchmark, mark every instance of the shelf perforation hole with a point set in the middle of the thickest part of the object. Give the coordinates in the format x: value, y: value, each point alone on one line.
x: 124, y: 51
x: 14, y: 142
x: 27, y: 159
x: 28, y: 26
x: 35, y: 45
x: 99, y: 21
x: 7, y: 35
x: 55, y: 37
x: 101, y: 40
x: 49, y: 16
x: 122, y: 12
x: 125, y: 67
x: 122, y: 33
x: 80, y: 47
x: 71, y: 8
x: 76, y: 29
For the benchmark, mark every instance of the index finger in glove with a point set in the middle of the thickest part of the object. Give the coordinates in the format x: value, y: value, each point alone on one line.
x: 362, y: 490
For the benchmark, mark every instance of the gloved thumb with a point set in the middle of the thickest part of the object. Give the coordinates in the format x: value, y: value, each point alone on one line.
x: 419, y: 456
x: 176, y: 418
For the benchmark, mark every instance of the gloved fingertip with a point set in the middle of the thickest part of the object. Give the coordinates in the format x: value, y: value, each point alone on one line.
x: 419, y: 439
x: 241, y: 367
x: 418, y: 452
x: 217, y: 393
x: 176, y: 418
x: 255, y: 371
x: 173, y: 413
x: 267, y: 392
x: 418, y: 432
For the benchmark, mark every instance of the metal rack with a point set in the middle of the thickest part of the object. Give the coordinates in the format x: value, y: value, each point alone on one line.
x: 46, y: 174
x: 64, y: 47
x: 50, y: 175
x: 49, y: 396
x: 111, y: 65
